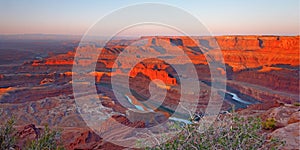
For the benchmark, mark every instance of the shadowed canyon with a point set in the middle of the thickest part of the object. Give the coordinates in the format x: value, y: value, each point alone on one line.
x: 260, y: 75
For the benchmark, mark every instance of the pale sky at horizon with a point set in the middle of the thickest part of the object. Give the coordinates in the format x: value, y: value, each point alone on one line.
x: 221, y: 17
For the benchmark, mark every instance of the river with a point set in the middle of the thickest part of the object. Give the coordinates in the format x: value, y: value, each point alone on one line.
x: 148, y: 109
x: 237, y: 101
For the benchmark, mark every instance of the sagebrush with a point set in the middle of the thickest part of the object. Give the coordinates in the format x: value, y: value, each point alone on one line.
x: 228, y: 132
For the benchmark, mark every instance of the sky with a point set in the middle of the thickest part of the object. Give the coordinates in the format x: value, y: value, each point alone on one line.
x: 220, y: 17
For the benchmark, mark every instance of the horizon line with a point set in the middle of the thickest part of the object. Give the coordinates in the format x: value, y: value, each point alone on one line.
x: 54, y: 34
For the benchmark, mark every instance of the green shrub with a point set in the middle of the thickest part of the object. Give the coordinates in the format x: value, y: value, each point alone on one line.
x: 48, y: 140
x: 296, y: 104
x: 7, y: 137
x: 269, y: 124
x: 228, y: 132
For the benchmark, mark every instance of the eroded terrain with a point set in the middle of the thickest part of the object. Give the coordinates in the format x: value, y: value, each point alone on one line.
x: 261, y: 73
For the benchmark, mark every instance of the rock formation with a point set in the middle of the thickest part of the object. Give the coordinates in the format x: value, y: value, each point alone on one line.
x: 262, y: 70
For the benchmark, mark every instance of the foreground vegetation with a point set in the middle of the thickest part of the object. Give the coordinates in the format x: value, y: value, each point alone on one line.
x: 47, y: 140
x: 7, y: 137
x: 229, y: 132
